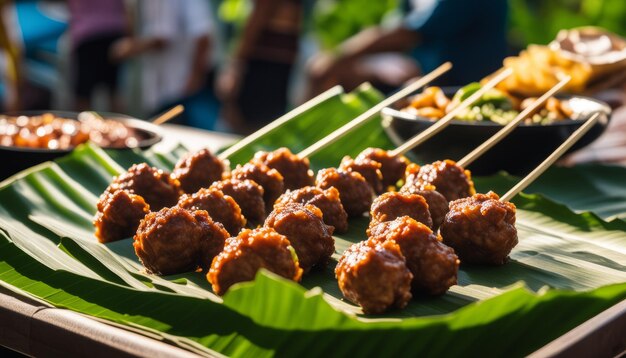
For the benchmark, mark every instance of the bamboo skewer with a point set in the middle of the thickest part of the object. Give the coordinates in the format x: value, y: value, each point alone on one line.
x: 507, y: 129
x: 168, y: 115
x: 280, y: 121
x: 370, y: 113
x: 552, y: 158
x: 445, y: 120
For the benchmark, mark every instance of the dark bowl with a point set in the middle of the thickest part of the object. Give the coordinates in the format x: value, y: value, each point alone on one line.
x: 518, y: 153
x: 16, y: 159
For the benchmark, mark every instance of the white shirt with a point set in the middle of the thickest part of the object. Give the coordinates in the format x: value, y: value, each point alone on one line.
x: 165, y: 71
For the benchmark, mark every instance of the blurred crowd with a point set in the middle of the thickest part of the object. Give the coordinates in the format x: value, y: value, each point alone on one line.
x: 141, y: 57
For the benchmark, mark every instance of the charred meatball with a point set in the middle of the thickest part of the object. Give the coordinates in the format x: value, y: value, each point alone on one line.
x: 392, y: 205
x: 434, y: 265
x: 437, y: 203
x: 296, y: 171
x: 355, y: 194
x: 481, y: 229
x: 175, y: 240
x: 119, y: 215
x: 244, y: 255
x: 375, y: 276
x: 248, y: 195
x: 326, y: 200
x: 222, y: 208
x: 305, y: 229
x: 449, y: 179
x: 270, y: 179
x: 392, y: 167
x: 198, y: 170
x: 154, y: 185
x: 369, y: 169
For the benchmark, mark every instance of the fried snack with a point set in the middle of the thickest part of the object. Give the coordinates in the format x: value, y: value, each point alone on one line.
x: 248, y: 195
x: 270, y: 179
x: 481, y: 229
x: 449, y: 179
x: 326, y: 200
x: 392, y: 205
x: 175, y: 240
x: 244, y: 255
x: 119, y: 215
x: 154, y: 185
x: 304, y: 228
x: 434, y: 265
x: 392, y: 167
x: 355, y: 194
x: 222, y: 208
x: 296, y: 171
x: 431, y: 103
x: 368, y: 168
x: 198, y: 170
x: 375, y: 276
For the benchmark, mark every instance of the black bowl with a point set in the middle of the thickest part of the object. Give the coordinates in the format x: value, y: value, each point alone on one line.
x: 16, y: 159
x: 518, y: 153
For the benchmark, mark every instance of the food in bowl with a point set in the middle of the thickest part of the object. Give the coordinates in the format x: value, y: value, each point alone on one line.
x: 495, y: 106
x: 50, y: 131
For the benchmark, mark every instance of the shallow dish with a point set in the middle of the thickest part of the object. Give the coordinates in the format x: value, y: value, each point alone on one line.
x: 518, y: 153
x: 17, y: 158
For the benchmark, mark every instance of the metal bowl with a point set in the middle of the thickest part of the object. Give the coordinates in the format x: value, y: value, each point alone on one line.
x: 20, y: 158
x: 518, y: 153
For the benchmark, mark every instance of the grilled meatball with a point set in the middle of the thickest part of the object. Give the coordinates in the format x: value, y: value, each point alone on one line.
x: 175, y: 240
x: 354, y: 192
x: 270, y: 179
x: 249, y: 252
x: 198, y: 170
x: 369, y: 169
x: 222, y: 208
x: 392, y: 167
x: 154, y: 185
x: 375, y: 276
x: 119, y: 215
x: 248, y: 195
x: 481, y: 229
x: 437, y: 203
x: 434, y: 265
x: 326, y: 200
x: 449, y: 179
x: 305, y: 229
x: 296, y: 171
x: 392, y: 205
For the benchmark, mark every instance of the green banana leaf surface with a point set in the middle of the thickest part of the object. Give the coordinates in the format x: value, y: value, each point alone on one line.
x: 569, y: 266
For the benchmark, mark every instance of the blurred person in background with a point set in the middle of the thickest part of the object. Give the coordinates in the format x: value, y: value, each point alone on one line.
x: 254, y: 84
x: 10, y: 57
x: 94, y: 27
x: 470, y: 34
x: 173, y: 45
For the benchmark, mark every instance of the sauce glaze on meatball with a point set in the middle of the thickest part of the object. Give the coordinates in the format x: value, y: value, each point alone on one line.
x: 119, y: 215
x: 392, y: 167
x: 270, y: 179
x: 222, y: 208
x: 304, y: 228
x: 434, y: 265
x: 481, y: 229
x: 248, y: 195
x: 392, y: 205
x: 198, y: 170
x: 437, y: 203
x: 375, y: 276
x: 244, y: 255
x: 449, y: 179
x: 355, y: 194
x: 296, y: 171
x: 326, y: 200
x: 368, y: 168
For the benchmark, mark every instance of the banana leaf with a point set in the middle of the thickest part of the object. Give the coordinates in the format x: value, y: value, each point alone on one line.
x: 569, y: 266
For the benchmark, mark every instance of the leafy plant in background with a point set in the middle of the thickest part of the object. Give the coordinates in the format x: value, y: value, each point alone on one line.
x: 538, y: 21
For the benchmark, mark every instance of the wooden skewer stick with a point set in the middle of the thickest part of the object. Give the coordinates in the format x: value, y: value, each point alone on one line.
x: 552, y: 158
x: 280, y: 121
x: 370, y: 113
x: 507, y: 129
x: 445, y: 120
x: 168, y: 115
